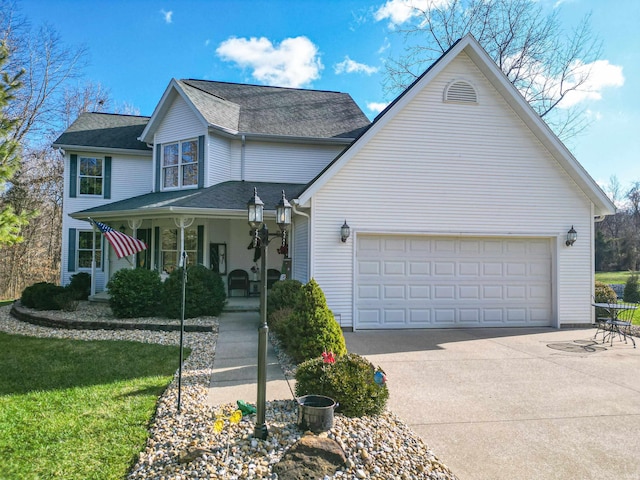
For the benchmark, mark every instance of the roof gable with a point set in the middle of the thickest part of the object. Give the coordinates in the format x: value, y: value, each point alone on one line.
x: 264, y: 110
x: 469, y: 46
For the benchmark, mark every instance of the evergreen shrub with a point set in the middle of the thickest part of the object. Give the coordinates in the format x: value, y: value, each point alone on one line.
x: 205, y: 293
x: 42, y: 296
x: 631, y: 290
x: 604, y: 294
x: 311, y: 328
x: 349, y: 381
x: 80, y: 285
x: 283, y: 294
x: 135, y: 293
x: 277, y: 322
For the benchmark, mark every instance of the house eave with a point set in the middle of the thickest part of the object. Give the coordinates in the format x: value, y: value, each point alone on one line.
x: 89, y: 148
x: 168, y: 212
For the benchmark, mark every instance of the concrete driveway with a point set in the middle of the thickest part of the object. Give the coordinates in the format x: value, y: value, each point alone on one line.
x: 515, y: 403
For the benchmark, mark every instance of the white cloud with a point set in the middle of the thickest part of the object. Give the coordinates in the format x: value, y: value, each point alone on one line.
x: 293, y: 63
x: 168, y: 16
x: 376, y: 107
x: 602, y: 75
x: 385, y: 46
x: 400, y: 11
x: 351, y: 66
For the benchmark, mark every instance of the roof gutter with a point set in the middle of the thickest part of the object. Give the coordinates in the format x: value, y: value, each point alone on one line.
x: 89, y: 148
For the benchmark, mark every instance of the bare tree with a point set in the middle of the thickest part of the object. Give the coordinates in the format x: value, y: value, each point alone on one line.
x: 527, y: 45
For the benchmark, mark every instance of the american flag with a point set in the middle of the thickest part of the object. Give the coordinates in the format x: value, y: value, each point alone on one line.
x: 122, y: 244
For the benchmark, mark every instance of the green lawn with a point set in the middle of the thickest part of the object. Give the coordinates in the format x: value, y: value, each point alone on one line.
x: 77, y: 409
x: 5, y: 302
x: 613, y: 277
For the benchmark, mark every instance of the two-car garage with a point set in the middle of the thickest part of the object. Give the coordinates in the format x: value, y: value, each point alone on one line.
x: 415, y: 281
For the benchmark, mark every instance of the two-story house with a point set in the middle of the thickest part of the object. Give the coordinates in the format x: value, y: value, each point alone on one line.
x: 458, y: 196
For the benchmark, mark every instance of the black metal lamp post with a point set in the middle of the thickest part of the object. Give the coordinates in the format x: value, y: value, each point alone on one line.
x: 255, y: 211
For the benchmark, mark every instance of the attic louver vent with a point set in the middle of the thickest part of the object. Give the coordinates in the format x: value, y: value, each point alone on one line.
x: 460, y: 91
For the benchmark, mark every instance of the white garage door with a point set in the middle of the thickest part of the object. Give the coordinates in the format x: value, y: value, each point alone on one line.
x: 438, y: 282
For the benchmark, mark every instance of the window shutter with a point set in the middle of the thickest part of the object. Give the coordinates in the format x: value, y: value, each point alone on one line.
x: 156, y: 241
x: 201, y: 161
x: 158, y: 169
x: 73, y: 175
x: 71, y: 261
x: 200, y: 256
x: 106, y: 188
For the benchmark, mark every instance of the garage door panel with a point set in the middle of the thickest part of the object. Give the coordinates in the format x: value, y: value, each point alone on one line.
x: 411, y: 282
x: 394, y: 268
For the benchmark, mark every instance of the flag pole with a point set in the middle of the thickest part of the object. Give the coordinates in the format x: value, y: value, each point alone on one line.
x: 93, y: 258
x: 184, y: 289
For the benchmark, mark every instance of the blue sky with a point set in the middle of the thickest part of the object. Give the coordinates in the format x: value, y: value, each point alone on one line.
x: 135, y: 47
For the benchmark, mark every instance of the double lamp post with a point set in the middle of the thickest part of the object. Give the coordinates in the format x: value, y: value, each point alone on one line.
x: 261, y: 236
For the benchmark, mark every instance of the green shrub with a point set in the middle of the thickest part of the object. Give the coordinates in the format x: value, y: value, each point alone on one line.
x: 277, y: 322
x: 205, y: 293
x: 604, y: 294
x: 312, y: 328
x: 349, y: 381
x: 631, y: 292
x: 80, y: 285
x: 67, y: 300
x: 42, y: 296
x: 135, y: 293
x: 283, y: 294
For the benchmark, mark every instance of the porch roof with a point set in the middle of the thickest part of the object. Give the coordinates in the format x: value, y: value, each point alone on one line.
x: 224, y: 199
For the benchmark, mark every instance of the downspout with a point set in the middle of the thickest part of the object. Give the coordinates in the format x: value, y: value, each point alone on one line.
x: 309, y: 244
x: 242, y: 156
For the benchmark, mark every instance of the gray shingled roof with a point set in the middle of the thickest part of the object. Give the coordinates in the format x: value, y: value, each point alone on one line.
x: 232, y: 195
x: 105, y: 130
x: 286, y: 111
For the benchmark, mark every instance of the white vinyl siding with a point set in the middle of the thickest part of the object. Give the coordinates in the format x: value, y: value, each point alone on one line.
x: 179, y: 122
x: 219, y: 160
x: 287, y: 163
x: 130, y: 176
x: 300, y: 250
x: 445, y: 168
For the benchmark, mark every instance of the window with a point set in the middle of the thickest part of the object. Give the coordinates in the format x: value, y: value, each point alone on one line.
x: 180, y: 164
x: 170, y: 247
x: 90, y: 174
x: 85, y: 247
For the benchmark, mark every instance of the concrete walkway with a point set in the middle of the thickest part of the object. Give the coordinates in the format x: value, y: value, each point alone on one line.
x: 515, y: 403
x: 235, y: 368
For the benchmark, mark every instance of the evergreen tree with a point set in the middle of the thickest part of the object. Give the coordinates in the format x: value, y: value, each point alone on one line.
x: 10, y: 221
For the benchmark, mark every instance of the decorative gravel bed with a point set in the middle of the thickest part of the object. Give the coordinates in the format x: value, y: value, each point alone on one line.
x: 185, y: 445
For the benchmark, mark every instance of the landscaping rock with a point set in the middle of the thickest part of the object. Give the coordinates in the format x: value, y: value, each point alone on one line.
x: 311, y: 457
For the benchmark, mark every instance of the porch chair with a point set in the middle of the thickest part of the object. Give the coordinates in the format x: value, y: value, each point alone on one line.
x: 273, y: 276
x: 621, y: 322
x: 238, y: 280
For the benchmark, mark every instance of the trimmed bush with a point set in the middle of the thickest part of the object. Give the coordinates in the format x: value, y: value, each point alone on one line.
x: 283, y: 294
x: 135, y: 293
x: 205, y: 293
x: 631, y: 292
x: 312, y: 328
x: 349, y: 381
x: 42, y: 296
x: 80, y: 285
x: 277, y: 323
x: 604, y: 294
x: 67, y: 300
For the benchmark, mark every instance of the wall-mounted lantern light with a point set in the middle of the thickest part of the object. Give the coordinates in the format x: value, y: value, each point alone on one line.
x: 345, y: 231
x: 572, y: 236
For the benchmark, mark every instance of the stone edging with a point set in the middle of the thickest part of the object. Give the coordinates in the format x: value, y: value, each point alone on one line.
x: 22, y: 314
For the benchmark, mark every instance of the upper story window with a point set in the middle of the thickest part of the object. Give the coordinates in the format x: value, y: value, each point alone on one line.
x: 90, y: 175
x: 180, y: 164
